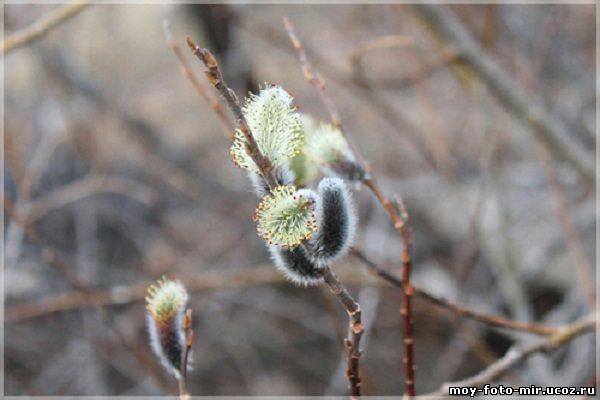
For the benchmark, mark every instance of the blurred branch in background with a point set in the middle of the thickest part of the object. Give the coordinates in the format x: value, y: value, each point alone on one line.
x: 520, y: 353
x: 42, y: 26
x: 565, y: 218
x: 121, y: 295
x: 543, y: 124
x: 202, y: 91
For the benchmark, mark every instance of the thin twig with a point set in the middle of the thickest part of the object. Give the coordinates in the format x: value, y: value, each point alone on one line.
x: 518, y: 354
x: 488, y: 319
x: 213, y: 73
x: 42, y: 26
x: 314, y: 78
x: 355, y: 330
x: 212, y: 101
x: 565, y: 219
x: 407, y: 291
x: 184, y: 393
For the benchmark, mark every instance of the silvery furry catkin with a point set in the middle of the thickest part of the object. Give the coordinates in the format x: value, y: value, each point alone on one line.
x: 336, y: 222
x: 295, y: 265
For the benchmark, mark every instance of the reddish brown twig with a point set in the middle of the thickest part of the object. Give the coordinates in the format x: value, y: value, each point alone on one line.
x: 316, y: 80
x: 488, y: 319
x: 213, y: 73
x: 212, y: 101
x: 355, y: 331
x: 184, y: 394
x: 407, y: 291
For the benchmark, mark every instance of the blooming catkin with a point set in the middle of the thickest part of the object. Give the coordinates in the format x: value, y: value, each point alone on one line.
x: 286, y: 217
x: 276, y: 127
x: 166, y: 303
x: 336, y: 222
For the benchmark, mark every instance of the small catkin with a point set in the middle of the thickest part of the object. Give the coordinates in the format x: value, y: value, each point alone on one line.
x: 166, y: 302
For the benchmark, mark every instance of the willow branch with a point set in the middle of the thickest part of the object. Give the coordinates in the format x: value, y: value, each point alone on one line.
x: 488, y: 319
x: 42, y: 26
x: 213, y: 73
x: 517, y: 354
x: 355, y: 330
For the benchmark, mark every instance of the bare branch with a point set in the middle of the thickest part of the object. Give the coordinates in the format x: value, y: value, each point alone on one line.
x: 200, y: 89
x: 355, y: 330
x: 518, y: 354
x: 42, y: 26
x: 565, y: 219
x: 544, y: 125
x: 215, y: 77
x: 489, y: 319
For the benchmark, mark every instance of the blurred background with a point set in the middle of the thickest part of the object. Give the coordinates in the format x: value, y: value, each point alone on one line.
x: 116, y: 172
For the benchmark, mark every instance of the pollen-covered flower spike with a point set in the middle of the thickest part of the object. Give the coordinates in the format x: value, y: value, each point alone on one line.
x: 336, y: 220
x: 166, y: 302
x: 295, y: 265
x: 286, y: 217
x: 276, y: 127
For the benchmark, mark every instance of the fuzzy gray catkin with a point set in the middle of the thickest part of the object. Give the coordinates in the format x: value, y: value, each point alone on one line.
x: 295, y: 265
x: 336, y: 222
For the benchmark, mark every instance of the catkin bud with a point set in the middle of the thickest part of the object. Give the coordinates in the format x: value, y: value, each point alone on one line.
x: 166, y: 304
x: 295, y: 265
x: 336, y: 222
